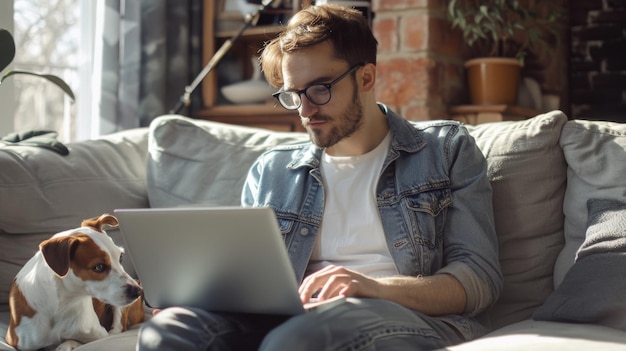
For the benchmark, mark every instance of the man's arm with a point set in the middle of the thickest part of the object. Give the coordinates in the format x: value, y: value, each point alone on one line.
x: 438, y: 294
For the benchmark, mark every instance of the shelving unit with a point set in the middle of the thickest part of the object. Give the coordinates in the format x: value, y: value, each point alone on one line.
x: 238, y: 63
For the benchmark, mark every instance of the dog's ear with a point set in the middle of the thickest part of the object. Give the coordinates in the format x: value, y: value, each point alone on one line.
x: 57, y: 253
x: 98, y: 222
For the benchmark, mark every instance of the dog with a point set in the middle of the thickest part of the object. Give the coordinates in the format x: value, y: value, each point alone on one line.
x: 74, y: 290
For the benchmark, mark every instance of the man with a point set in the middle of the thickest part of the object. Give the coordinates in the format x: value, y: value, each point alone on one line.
x: 388, y: 224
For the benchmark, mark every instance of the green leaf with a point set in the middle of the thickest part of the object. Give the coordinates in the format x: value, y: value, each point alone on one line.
x: 7, y: 49
x: 52, y: 78
x: 484, y: 10
x: 451, y: 7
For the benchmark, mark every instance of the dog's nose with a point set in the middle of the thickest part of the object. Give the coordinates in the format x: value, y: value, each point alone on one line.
x: 133, y: 291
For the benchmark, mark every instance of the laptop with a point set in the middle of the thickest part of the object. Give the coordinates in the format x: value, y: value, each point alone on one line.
x: 229, y: 259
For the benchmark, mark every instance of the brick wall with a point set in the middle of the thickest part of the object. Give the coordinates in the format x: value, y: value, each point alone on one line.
x: 421, y: 59
x: 419, y: 66
x: 598, y: 60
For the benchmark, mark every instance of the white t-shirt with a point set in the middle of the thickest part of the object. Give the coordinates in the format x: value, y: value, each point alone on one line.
x: 352, y: 234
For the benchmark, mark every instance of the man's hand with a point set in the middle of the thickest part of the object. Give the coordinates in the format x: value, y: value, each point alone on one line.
x: 333, y: 281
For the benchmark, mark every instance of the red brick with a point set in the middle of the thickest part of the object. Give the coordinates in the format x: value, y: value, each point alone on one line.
x: 405, y: 80
x: 422, y: 31
x: 385, y: 5
x: 415, y: 32
x: 386, y: 32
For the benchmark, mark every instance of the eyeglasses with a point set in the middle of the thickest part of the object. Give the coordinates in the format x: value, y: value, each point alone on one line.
x: 319, y: 94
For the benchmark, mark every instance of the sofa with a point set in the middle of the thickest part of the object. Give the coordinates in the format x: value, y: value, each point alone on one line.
x: 559, y: 188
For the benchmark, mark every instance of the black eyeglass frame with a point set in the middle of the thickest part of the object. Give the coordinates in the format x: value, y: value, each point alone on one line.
x: 328, y: 87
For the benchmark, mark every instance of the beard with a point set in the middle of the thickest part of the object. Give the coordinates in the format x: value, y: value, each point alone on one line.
x: 350, y: 120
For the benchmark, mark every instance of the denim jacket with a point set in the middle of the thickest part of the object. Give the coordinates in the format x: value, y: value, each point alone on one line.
x: 433, y: 196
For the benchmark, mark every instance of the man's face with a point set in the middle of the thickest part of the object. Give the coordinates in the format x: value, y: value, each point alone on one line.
x: 342, y: 116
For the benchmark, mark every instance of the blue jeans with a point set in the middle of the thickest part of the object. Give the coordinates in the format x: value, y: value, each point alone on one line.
x: 349, y: 324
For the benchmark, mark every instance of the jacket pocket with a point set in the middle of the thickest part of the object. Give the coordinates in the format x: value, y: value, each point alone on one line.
x: 427, y: 214
x: 432, y: 202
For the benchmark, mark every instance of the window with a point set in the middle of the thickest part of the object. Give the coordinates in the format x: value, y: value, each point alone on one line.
x: 53, y: 36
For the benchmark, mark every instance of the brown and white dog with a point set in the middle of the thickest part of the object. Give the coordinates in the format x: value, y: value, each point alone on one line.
x: 73, y: 291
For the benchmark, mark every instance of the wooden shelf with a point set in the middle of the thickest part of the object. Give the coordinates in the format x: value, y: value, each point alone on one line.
x: 476, y: 114
x: 266, y: 116
x: 261, y: 32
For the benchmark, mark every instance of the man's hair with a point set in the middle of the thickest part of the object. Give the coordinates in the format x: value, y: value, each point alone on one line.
x: 346, y: 29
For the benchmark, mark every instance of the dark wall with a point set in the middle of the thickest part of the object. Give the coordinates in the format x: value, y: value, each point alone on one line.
x: 598, y: 59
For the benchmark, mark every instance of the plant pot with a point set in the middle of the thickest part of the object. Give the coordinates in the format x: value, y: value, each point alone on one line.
x: 493, y: 80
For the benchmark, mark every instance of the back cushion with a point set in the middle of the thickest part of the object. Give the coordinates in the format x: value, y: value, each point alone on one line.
x: 42, y: 192
x: 526, y: 168
x: 595, y: 152
x: 202, y: 162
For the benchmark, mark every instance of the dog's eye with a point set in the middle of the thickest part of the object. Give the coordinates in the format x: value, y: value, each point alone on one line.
x: 99, y: 268
x: 121, y: 257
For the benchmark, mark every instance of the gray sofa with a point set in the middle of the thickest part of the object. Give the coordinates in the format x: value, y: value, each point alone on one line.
x: 543, y: 171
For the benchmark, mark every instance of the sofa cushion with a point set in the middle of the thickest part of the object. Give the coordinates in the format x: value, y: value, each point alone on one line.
x: 595, y: 152
x: 42, y: 192
x: 547, y: 336
x: 527, y: 172
x: 593, y: 289
x: 125, y: 341
x: 55, y: 190
x: 202, y: 162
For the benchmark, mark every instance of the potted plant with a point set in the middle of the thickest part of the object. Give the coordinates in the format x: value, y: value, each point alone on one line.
x: 7, y: 54
x: 43, y: 138
x: 500, y: 33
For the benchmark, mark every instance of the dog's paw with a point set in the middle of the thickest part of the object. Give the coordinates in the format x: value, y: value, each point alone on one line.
x: 115, y: 330
x: 68, y: 345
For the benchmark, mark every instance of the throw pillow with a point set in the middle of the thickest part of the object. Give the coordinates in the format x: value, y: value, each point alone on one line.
x: 595, y: 152
x: 606, y: 228
x: 195, y: 162
x: 593, y: 289
x: 527, y: 171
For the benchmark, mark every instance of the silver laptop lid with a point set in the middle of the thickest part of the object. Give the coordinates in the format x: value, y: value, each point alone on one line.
x: 229, y: 259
